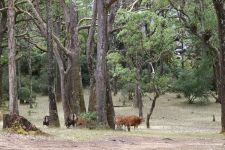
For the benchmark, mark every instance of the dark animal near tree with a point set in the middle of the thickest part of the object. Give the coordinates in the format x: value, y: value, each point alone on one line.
x: 71, y: 120
x: 46, y: 121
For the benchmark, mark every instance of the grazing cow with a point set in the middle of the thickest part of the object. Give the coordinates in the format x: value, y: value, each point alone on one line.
x: 133, y: 121
x: 128, y: 121
x: 71, y: 120
x: 119, y: 121
x: 46, y: 121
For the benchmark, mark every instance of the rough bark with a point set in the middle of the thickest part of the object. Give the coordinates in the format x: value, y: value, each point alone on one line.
x: 101, y: 63
x: 3, y: 22
x: 138, y: 96
x: 57, y: 29
x: 90, y: 59
x: 220, y: 11
x: 109, y: 103
x: 152, y: 108
x: 13, y: 102
x: 53, y: 112
x: 75, y: 90
x: 30, y: 76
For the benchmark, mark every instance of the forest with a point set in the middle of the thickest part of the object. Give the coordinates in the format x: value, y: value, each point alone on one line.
x: 135, y: 74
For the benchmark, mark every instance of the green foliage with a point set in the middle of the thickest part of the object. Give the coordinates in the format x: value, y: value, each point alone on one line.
x: 195, y: 83
x: 24, y: 95
x: 92, y: 116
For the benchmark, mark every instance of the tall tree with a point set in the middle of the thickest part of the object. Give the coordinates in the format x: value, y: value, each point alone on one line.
x: 105, y: 110
x: 3, y: 22
x: 53, y: 112
x: 101, y: 62
x: 73, y: 82
x: 219, y: 6
x: 13, y: 102
x: 90, y: 59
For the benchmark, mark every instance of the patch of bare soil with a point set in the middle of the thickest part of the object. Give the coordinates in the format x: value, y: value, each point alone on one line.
x: 19, y: 142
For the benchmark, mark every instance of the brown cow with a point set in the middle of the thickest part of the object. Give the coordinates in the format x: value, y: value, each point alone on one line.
x: 119, y: 121
x: 128, y: 121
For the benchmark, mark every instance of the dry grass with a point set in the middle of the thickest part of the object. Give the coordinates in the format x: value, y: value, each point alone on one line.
x: 172, y: 117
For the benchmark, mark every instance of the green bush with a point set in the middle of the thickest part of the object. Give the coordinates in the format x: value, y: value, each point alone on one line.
x: 195, y: 83
x: 92, y: 116
x: 24, y: 95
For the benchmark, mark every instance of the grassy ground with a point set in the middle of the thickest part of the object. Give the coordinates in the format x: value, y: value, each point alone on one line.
x: 172, y: 118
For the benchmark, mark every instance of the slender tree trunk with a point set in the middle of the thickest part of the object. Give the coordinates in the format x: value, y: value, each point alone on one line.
x: 109, y: 103
x: 30, y: 76
x: 216, y: 69
x: 152, y: 107
x: 57, y: 28
x: 65, y: 103
x: 58, y: 86
x: 3, y: 22
x: 220, y: 11
x: 90, y: 59
x: 53, y: 112
x: 101, y: 63
x: 13, y: 102
x: 138, y: 96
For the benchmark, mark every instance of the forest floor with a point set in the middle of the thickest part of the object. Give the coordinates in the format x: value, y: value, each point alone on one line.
x: 175, y: 125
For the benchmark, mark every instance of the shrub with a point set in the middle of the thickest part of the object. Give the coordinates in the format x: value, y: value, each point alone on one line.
x: 24, y: 95
x: 195, y: 83
x: 92, y: 116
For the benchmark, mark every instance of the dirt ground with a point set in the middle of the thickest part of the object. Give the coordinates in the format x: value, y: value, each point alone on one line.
x: 17, y: 142
x: 175, y: 125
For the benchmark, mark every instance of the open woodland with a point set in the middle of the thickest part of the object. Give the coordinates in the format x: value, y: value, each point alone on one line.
x: 112, y: 74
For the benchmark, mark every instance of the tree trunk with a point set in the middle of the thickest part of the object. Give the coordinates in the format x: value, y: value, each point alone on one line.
x: 57, y: 85
x: 101, y: 63
x: 138, y: 96
x: 90, y: 61
x: 109, y: 103
x: 75, y: 90
x: 53, y: 112
x: 216, y: 69
x: 220, y: 11
x: 152, y: 108
x: 57, y: 29
x: 13, y: 102
x: 30, y: 76
x: 3, y: 23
